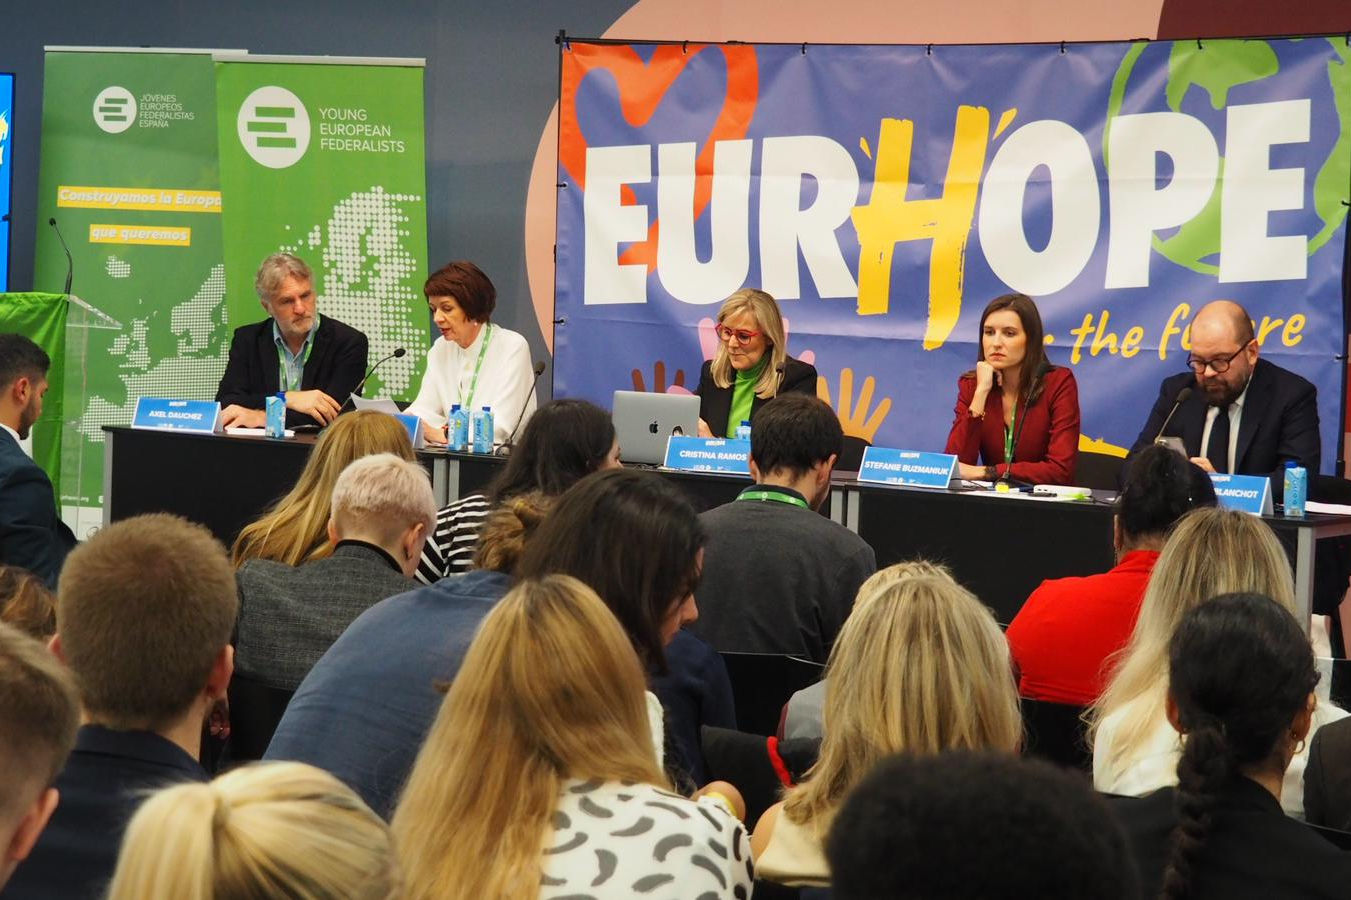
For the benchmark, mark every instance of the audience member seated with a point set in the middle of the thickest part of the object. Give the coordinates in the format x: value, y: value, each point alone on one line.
x: 32, y: 535
x: 39, y: 712
x: 540, y: 778
x: 562, y: 442
x: 1327, y: 778
x: 977, y: 824
x: 779, y: 577
x: 633, y: 538
x: 383, y: 508
x: 803, y: 714
x: 264, y: 830
x: 1240, y: 695
x: 143, y: 619
x: 295, y: 529
x: 364, y: 709
x: 1069, y: 628
x: 1211, y: 552
x: 26, y: 603
x: 920, y: 668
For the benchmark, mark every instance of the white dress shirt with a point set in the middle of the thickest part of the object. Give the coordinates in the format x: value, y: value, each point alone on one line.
x: 503, y: 380
x: 1235, y: 416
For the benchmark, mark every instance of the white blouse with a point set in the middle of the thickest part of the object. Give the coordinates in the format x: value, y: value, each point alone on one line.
x: 503, y: 380
x: 1153, y: 764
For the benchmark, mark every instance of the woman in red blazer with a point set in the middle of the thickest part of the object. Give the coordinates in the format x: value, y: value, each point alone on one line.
x: 1015, y: 400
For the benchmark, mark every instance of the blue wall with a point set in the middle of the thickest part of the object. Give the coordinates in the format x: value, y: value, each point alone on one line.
x: 492, y: 77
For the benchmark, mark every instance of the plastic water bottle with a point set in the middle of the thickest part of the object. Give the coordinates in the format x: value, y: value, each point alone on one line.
x: 743, y: 431
x: 457, y: 432
x: 483, y: 430
x: 1296, y: 489
x: 276, y: 416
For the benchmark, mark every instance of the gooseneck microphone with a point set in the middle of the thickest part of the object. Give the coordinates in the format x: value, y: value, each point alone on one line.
x: 70, y: 261
x: 1182, y: 396
x: 398, y: 352
x: 506, y: 446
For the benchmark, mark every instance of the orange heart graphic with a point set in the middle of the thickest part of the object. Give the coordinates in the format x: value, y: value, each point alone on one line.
x: 642, y: 85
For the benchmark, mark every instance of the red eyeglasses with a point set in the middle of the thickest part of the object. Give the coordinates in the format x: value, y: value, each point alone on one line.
x: 742, y: 335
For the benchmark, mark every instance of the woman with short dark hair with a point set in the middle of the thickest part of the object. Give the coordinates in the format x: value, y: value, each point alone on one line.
x: 474, y: 364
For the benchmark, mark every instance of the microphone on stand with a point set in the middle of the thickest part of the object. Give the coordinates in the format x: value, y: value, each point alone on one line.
x: 505, y: 448
x: 399, y: 352
x: 70, y: 262
x: 1182, y: 396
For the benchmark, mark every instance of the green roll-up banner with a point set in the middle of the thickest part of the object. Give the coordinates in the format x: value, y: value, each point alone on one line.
x: 325, y: 159
x: 42, y: 319
x: 129, y: 172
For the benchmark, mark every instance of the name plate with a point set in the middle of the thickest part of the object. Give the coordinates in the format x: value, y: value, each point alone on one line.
x: 160, y: 413
x: 1246, y: 493
x: 884, y: 465
x: 413, y: 425
x: 699, y: 454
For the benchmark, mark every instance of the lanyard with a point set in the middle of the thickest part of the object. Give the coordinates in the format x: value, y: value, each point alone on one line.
x: 482, y: 350
x: 1009, y: 439
x: 774, y: 496
x: 286, y: 369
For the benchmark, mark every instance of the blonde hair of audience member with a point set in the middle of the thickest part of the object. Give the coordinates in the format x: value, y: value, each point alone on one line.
x: 920, y: 666
x: 504, y: 533
x: 39, y: 715
x: 550, y: 689
x: 144, y: 613
x: 295, y: 530
x: 1210, y: 552
x: 387, y: 501
x: 280, y: 829
x: 769, y: 322
x: 27, y: 604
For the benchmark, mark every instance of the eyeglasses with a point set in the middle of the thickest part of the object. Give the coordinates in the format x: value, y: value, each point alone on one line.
x: 1219, y: 365
x: 742, y: 335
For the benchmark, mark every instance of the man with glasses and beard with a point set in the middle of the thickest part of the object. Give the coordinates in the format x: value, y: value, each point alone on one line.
x: 1244, y: 415
x: 32, y: 535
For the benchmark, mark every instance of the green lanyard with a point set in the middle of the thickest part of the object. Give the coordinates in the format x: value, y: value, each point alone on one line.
x: 775, y: 496
x: 1008, y: 434
x: 482, y: 351
x: 286, y: 369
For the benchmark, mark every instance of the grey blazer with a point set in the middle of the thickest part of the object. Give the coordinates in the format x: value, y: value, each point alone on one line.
x: 290, y: 615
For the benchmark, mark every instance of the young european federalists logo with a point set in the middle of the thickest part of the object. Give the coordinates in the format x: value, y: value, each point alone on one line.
x: 114, y: 109
x: 274, y: 127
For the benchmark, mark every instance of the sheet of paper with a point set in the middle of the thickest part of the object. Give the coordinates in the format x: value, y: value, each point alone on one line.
x: 253, y: 432
x: 1334, y: 509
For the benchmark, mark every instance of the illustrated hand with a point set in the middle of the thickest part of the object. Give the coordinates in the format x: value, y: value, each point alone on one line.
x: 315, y: 404
x: 1204, y: 463
x: 659, y: 380
x: 431, y: 434
x: 854, y: 417
x: 234, y: 414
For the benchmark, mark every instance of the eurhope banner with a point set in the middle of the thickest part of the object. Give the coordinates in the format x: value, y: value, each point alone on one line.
x: 885, y: 194
x: 325, y: 159
x: 128, y: 171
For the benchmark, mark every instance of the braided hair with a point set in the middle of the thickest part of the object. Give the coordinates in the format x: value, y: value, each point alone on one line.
x: 1240, y: 671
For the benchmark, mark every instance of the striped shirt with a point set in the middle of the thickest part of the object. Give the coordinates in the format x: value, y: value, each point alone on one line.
x: 450, y: 548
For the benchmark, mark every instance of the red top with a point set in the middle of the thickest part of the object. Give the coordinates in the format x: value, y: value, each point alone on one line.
x: 1062, y: 637
x: 1048, y: 442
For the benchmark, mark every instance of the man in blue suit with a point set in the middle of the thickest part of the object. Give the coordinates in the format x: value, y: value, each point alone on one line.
x: 32, y: 534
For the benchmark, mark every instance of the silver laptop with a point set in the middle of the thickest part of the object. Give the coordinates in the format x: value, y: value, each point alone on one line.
x: 644, y: 421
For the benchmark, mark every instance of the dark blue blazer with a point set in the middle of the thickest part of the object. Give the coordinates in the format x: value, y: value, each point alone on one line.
x: 335, y: 366
x: 32, y: 535
x: 1279, y: 422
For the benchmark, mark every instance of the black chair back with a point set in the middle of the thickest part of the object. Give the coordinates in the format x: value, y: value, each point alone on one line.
x: 1100, y: 471
x: 255, y: 711
x: 1056, y: 732
x: 762, y: 684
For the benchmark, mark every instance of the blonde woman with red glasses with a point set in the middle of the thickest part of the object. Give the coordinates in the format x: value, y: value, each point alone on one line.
x: 751, y: 366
